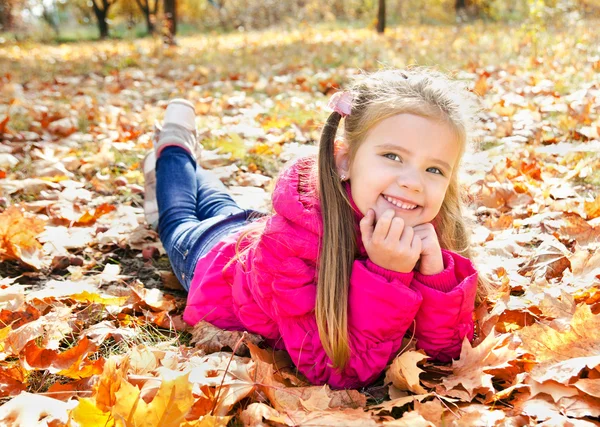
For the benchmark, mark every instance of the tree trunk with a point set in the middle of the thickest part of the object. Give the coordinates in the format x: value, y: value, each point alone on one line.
x: 170, y: 8
x: 149, y: 24
x: 381, y: 17
x: 5, y: 16
x: 101, y: 13
x: 149, y: 14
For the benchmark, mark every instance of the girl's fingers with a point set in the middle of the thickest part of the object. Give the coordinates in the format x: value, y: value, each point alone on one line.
x: 382, y: 227
x: 396, y: 228
x: 416, y: 245
x: 424, y: 230
x: 366, y: 226
x: 407, y: 237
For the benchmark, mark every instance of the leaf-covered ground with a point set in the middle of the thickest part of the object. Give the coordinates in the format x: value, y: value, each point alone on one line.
x: 90, y: 320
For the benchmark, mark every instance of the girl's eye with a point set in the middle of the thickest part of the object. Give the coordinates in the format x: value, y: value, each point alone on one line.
x: 437, y: 171
x: 391, y: 156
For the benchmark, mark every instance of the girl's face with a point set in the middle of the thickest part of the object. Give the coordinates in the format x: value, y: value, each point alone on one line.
x: 404, y: 164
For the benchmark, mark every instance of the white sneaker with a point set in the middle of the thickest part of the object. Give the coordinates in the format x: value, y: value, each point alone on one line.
x: 178, y: 129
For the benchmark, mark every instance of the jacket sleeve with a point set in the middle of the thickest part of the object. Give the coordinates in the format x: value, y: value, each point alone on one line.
x: 446, y: 314
x: 381, y: 307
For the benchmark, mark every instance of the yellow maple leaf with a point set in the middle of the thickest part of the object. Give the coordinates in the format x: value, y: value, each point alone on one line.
x: 207, y: 421
x: 86, y: 296
x: 86, y: 413
x: 168, y: 408
x: 563, y: 354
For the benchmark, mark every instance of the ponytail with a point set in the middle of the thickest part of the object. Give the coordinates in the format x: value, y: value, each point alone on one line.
x: 336, y: 253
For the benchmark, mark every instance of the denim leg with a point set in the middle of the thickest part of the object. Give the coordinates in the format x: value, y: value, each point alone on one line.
x: 212, y: 197
x: 194, y: 210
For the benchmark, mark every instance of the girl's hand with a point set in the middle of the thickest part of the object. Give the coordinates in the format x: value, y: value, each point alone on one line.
x: 431, y: 253
x: 389, y: 243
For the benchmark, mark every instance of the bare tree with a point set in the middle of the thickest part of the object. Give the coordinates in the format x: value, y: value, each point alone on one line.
x: 101, y: 11
x: 149, y: 13
x: 381, y: 17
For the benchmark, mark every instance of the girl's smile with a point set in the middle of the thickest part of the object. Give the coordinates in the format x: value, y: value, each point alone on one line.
x: 404, y: 163
x: 403, y: 204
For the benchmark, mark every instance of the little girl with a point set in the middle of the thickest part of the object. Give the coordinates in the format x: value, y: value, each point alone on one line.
x: 366, y: 239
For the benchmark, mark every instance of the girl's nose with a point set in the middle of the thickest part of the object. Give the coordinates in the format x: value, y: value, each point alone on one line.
x: 411, y: 180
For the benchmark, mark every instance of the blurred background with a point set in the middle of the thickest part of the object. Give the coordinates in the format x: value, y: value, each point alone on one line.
x: 76, y: 20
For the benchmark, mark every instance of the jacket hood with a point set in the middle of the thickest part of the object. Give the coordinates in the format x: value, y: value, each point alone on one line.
x: 296, y: 197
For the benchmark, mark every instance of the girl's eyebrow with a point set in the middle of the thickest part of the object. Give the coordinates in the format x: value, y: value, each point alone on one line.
x: 404, y: 150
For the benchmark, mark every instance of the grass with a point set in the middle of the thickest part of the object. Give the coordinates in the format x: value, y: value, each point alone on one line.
x: 146, y: 334
x: 448, y: 46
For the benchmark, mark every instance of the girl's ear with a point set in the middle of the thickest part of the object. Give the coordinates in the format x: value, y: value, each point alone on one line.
x: 342, y: 158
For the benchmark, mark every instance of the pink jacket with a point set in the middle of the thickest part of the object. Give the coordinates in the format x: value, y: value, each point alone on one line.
x: 272, y: 290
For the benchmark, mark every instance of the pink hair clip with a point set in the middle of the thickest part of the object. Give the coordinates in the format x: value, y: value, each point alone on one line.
x: 341, y: 102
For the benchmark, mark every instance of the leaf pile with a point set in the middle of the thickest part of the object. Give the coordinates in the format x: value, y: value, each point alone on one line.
x: 90, y: 315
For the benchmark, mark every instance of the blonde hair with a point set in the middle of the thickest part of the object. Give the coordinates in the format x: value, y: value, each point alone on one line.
x: 377, y: 96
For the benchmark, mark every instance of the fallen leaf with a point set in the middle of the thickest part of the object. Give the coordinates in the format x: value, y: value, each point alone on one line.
x: 404, y: 373
x: 210, y: 338
x: 28, y: 409
x: 168, y: 408
x: 18, y: 237
x: 469, y: 372
x: 562, y: 355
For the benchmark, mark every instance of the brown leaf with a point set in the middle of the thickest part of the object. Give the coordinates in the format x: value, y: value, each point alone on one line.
x: 580, y: 406
x: 400, y: 402
x: 589, y: 386
x: 404, y: 373
x: 209, y: 338
x: 284, y: 369
x: 432, y: 411
x: 470, y: 371
x: 12, y: 380
x: 549, y: 261
x: 553, y: 389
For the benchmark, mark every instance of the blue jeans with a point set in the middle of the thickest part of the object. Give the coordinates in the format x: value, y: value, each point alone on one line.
x: 195, y: 211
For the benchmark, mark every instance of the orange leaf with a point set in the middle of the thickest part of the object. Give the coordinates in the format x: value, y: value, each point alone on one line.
x: 3, y: 124
x: 17, y: 236
x: 109, y: 383
x: 12, y: 381
x: 77, y: 388
x: 481, y: 87
x: 592, y: 209
x: 17, y: 319
x: 55, y: 361
x: 87, y: 218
